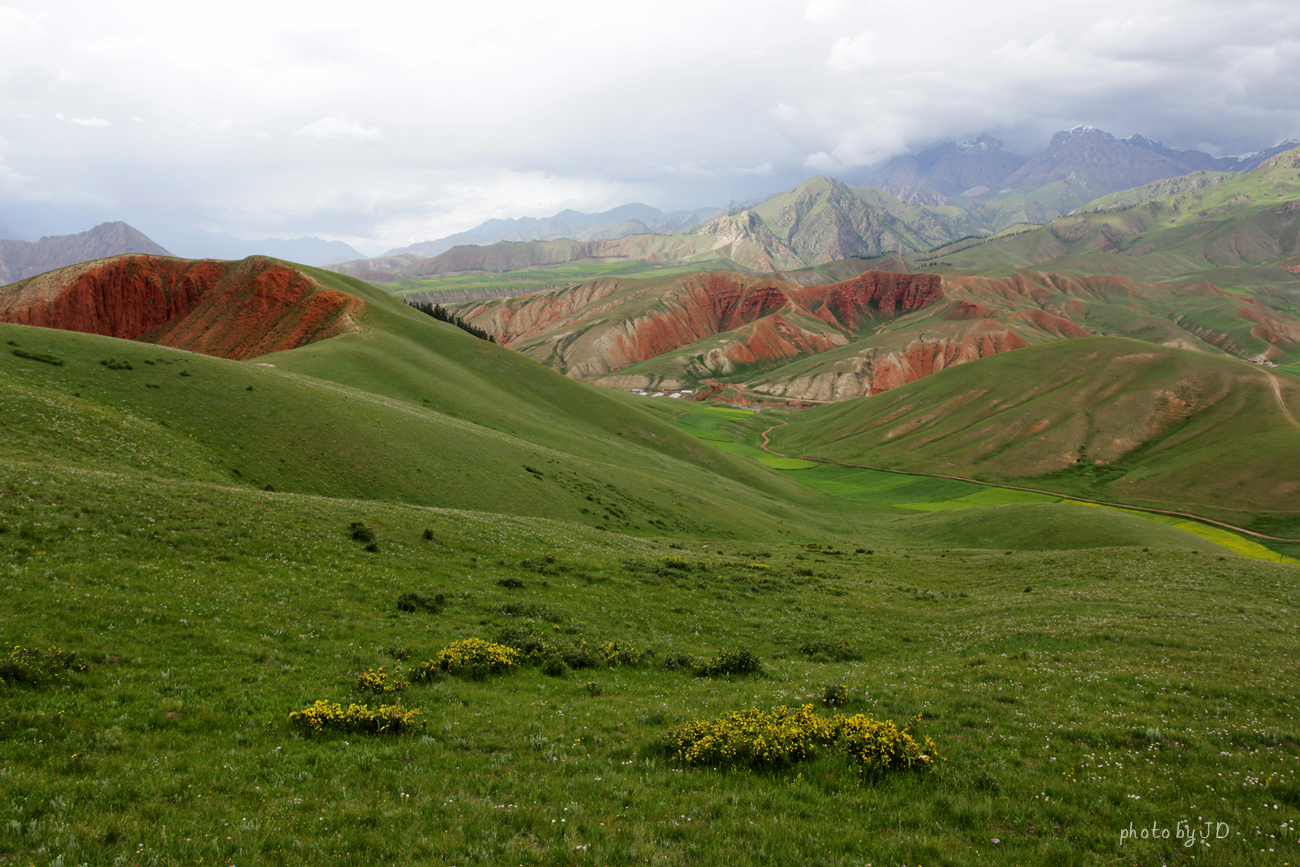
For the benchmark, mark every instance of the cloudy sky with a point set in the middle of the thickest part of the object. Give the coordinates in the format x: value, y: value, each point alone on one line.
x: 384, y: 123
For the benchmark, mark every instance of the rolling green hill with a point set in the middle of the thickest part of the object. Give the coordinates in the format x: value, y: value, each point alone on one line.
x: 1106, y: 418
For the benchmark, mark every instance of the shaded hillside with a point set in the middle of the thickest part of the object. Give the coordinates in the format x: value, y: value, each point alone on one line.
x: 229, y: 309
x: 20, y: 259
x: 1103, y: 417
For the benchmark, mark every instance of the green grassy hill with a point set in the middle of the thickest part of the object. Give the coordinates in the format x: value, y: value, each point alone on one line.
x: 1106, y: 418
x: 409, y: 409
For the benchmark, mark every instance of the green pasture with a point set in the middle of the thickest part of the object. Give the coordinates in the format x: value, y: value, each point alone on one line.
x: 1070, y: 694
x: 1040, y: 528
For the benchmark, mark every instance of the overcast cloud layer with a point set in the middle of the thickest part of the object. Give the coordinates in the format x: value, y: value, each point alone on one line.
x: 393, y: 122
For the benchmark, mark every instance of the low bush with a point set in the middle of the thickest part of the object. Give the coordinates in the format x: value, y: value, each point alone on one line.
x: 361, y: 532
x: 835, y: 693
x: 358, y: 718
x: 829, y: 651
x: 680, y: 662
x: 43, y: 357
x: 742, y: 661
x: 476, y: 657
x: 536, y: 648
x: 420, y: 602
x: 36, y: 667
x: 511, y: 583
x: 379, y: 680
x: 778, y: 738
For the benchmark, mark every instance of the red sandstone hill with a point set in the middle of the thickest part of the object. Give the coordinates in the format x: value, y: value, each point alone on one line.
x: 861, y: 336
x: 229, y: 309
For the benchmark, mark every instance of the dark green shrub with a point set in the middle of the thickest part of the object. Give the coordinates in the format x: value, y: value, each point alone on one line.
x: 420, y: 602
x: 428, y: 535
x: 44, y: 357
x: 741, y: 661
x: 361, y: 532
x: 554, y: 666
x: 36, y: 667
x: 679, y: 662
x: 829, y: 651
x: 511, y: 583
x: 114, y: 364
x: 835, y: 693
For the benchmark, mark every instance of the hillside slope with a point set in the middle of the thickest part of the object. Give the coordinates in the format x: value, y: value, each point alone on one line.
x: 860, y: 336
x: 1107, y: 418
x: 403, y: 409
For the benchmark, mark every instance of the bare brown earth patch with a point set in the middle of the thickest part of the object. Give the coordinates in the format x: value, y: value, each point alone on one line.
x: 234, y: 310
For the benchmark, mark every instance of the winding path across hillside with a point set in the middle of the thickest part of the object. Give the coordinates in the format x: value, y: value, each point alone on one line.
x: 1277, y: 391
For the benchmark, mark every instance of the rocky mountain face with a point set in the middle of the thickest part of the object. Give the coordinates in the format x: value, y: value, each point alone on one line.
x: 1098, y: 157
x: 20, y: 259
x: 856, y: 337
x: 950, y: 168
x: 228, y: 309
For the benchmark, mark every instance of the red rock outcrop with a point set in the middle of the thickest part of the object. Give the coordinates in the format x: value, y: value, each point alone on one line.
x: 228, y: 309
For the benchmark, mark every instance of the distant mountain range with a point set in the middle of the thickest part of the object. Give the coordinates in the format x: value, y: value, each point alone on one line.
x: 633, y: 219
x: 198, y: 244
x: 1168, y: 263
x: 21, y: 259
x: 985, y: 167
x: 913, y: 204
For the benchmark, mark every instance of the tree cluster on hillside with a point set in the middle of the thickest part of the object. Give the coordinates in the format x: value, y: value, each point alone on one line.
x: 437, y: 311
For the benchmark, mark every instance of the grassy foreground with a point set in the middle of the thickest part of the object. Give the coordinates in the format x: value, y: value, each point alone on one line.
x: 1071, y: 695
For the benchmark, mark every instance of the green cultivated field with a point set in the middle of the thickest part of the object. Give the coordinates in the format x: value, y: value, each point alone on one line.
x: 225, y: 544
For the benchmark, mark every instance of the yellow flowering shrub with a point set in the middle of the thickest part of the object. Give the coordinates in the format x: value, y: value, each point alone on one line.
x: 778, y: 738
x: 476, y: 657
x: 751, y: 738
x: 379, y: 680
x: 34, y: 666
x: 358, y: 718
x: 880, y: 745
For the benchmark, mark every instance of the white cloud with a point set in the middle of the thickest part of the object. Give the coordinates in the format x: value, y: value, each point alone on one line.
x: 823, y: 162
x: 89, y: 121
x: 781, y: 111
x: 336, y: 127
x: 848, y: 54
x: 525, y: 108
x: 821, y: 11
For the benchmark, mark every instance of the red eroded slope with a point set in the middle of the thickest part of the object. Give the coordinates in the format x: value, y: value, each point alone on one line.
x: 228, y: 309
